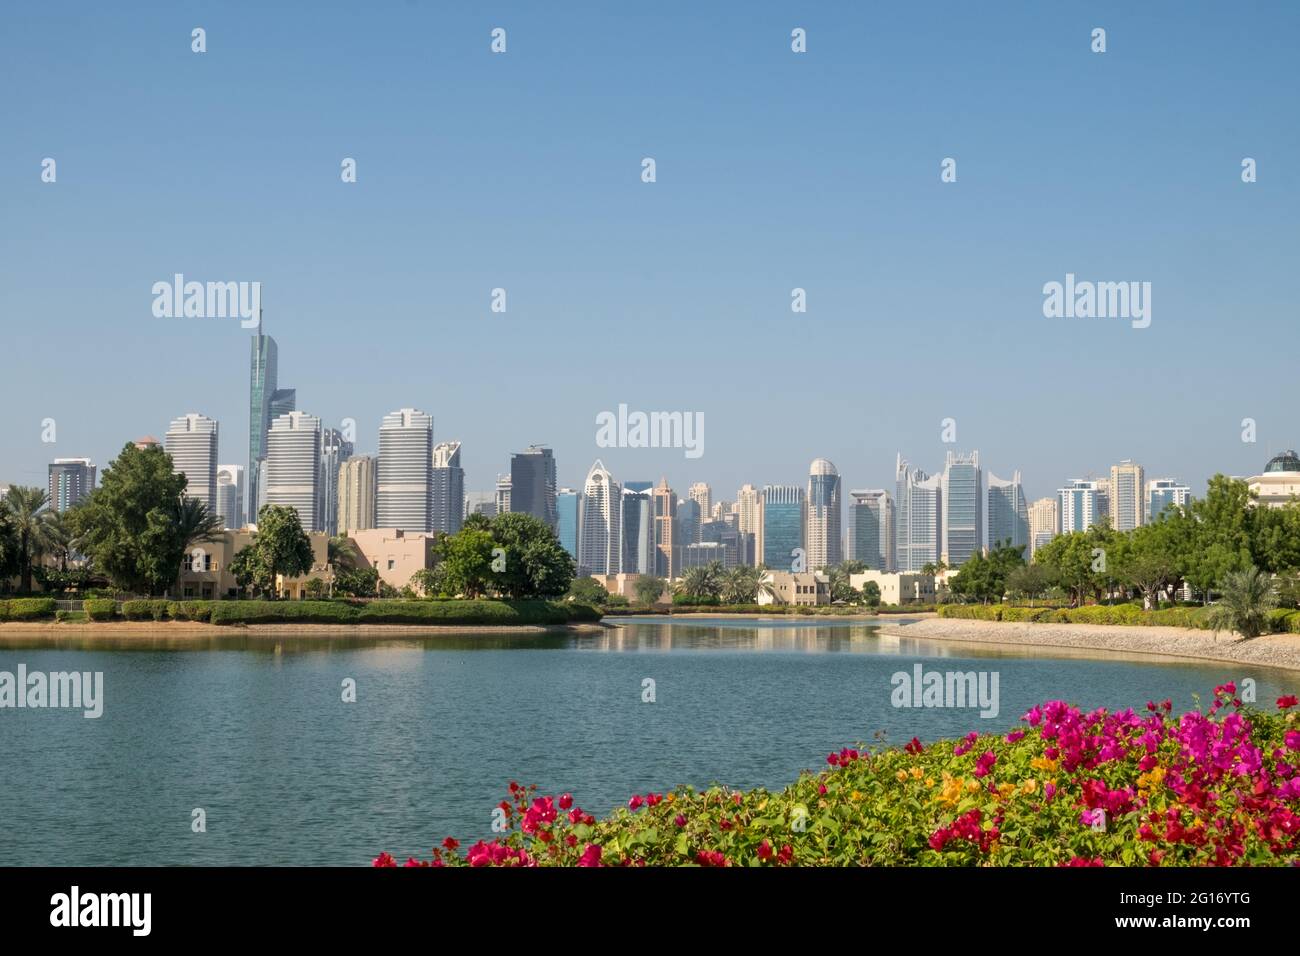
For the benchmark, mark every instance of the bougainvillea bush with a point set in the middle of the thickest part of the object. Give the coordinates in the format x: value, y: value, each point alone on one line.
x: 1068, y: 788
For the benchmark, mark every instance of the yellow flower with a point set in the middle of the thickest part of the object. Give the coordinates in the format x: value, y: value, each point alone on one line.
x: 972, y: 786
x: 1030, y: 785
x: 1042, y: 763
x: 855, y: 795
x: 929, y: 781
x: 901, y: 775
x: 1151, y: 779
x: 669, y: 798
x: 917, y: 773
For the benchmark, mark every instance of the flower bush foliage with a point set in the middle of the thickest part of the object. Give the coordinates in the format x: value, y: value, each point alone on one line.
x: 1068, y: 788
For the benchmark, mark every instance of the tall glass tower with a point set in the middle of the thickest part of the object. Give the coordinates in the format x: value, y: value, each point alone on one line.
x: 963, y: 508
x: 261, y: 386
x: 782, y: 525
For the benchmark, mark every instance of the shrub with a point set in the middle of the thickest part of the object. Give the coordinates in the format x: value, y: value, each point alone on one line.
x: 283, y: 612
x: 29, y: 609
x: 144, y: 610
x: 190, y: 610
x: 430, y: 612
x: 99, y: 609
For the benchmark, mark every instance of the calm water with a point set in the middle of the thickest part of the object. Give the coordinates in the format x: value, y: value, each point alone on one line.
x: 254, y: 731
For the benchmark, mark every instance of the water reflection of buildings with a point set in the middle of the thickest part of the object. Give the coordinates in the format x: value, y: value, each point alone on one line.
x: 812, y: 638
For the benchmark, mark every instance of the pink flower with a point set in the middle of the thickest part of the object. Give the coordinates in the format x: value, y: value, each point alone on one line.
x: 1290, y: 700
x: 383, y: 859
x: 635, y: 803
x: 764, y: 850
x: 710, y: 858
x: 566, y: 801
x: 451, y: 843
x: 1292, y: 740
x: 590, y: 856
x: 680, y: 820
x: 985, y: 763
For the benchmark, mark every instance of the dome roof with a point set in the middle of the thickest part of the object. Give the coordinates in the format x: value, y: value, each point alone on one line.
x: 1287, y: 461
x: 821, y: 466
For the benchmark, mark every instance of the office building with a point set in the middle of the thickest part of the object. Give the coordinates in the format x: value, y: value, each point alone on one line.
x: 263, y: 372
x: 1008, y: 513
x: 962, y: 508
x: 781, y: 528
x: 447, y: 508
x: 702, y: 495
x: 567, y: 508
x: 192, y: 444
x: 665, y: 502
x: 1163, y: 492
x: 918, y: 514
x: 824, y: 516
x: 532, y: 484
x: 70, y: 480
x: 1127, y: 493
x: 230, y: 496
x: 748, y: 504
x: 601, y: 522
x: 1083, y: 504
x: 334, y: 451
x: 638, y: 532
x: 356, y: 507
x: 871, y: 528
x: 402, y: 493
x: 292, y: 466
x: 1044, y: 522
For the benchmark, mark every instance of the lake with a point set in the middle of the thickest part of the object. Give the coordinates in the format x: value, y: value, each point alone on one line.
x: 255, y: 731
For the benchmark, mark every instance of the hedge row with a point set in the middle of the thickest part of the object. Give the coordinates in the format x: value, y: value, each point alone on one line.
x: 401, y: 612
x: 1125, y: 614
x: 26, y: 609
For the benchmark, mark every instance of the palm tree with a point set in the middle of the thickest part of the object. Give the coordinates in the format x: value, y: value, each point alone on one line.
x: 25, y: 508
x: 741, y: 584
x: 1245, y: 599
x: 194, y: 523
x: 704, y: 581
x: 342, y: 552
x: 59, y: 539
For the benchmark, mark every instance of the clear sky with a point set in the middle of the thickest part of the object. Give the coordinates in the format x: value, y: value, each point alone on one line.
x: 775, y: 170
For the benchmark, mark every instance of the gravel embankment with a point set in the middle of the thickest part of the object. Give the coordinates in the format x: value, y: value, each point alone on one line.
x: 1271, y: 650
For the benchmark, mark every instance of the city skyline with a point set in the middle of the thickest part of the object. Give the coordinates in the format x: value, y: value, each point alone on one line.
x: 710, y: 251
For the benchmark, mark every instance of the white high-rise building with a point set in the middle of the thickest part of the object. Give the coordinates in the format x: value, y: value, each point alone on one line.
x: 918, y: 513
x: 448, y: 507
x: 1083, y: 503
x: 403, y: 490
x: 1044, y: 522
x: 192, y: 443
x: 963, y: 508
x: 230, y: 496
x: 1007, y: 518
x: 1127, y: 495
x: 748, y: 508
x: 601, y: 525
x: 292, y: 466
x: 825, y: 518
x: 356, y: 507
x: 702, y: 495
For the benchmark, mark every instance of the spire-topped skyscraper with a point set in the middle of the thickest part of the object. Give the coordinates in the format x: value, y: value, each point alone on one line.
x: 266, y: 401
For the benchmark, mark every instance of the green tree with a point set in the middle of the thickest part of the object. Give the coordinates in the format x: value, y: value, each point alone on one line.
x: 536, y: 564
x: 649, y: 589
x: 1220, y: 540
x: 430, y: 582
x: 702, y: 584
x: 740, y: 585
x: 1275, y: 537
x: 128, y: 525
x: 1244, y: 603
x: 195, y: 524
x: 588, y: 591
x: 1029, y: 581
x: 280, y: 548
x: 871, y: 594
x: 1149, y: 561
x: 467, y: 556
x: 357, y: 582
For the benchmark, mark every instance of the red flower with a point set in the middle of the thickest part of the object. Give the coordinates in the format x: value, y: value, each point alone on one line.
x: 1290, y: 700
x: 590, y: 856
x: 710, y: 858
x: 764, y: 850
x: 680, y: 820
x: 913, y: 747
x: 451, y: 843
x: 786, y: 854
x: 566, y: 801
x: 383, y: 859
x: 635, y: 803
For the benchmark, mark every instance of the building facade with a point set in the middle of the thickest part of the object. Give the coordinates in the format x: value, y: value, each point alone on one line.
x: 601, y: 547
x: 447, y: 489
x: 356, y: 507
x: 263, y: 373
x: 1163, y: 492
x: 334, y: 451
x: 917, y: 517
x: 1044, y: 522
x: 871, y: 528
x: 230, y: 496
x: 1007, y: 513
x: 191, y: 441
x: 962, y: 508
x: 781, y: 527
x: 70, y: 480
x: 533, y: 485
x: 825, y: 516
x: 403, y: 486
x: 1126, y: 492
x: 292, y: 466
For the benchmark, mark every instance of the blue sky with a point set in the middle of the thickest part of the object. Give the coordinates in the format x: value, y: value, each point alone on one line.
x: 775, y: 170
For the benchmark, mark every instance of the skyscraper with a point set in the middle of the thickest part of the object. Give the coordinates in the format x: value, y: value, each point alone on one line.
x: 71, y: 479
x: 1162, y: 492
x: 402, y: 495
x: 1008, y: 513
x: 532, y: 483
x: 1127, y: 493
x: 293, y: 466
x: 230, y: 496
x: 702, y: 495
x: 600, y: 550
x: 871, y: 529
x: 334, y: 450
x: 638, y: 532
x: 283, y: 401
x: 748, y: 502
x: 356, y: 508
x: 191, y: 441
x: 263, y: 371
x: 782, y: 526
x: 825, y: 518
x: 917, y: 522
x: 1082, y: 503
x: 448, y: 508
x: 567, y: 509
x: 665, y: 502
x: 963, y: 508
x: 1044, y: 522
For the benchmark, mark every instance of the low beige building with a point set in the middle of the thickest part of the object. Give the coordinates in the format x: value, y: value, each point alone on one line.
x: 788, y: 587
x: 1280, y: 481
x: 205, y: 571
x: 394, y: 553
x: 898, y: 588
